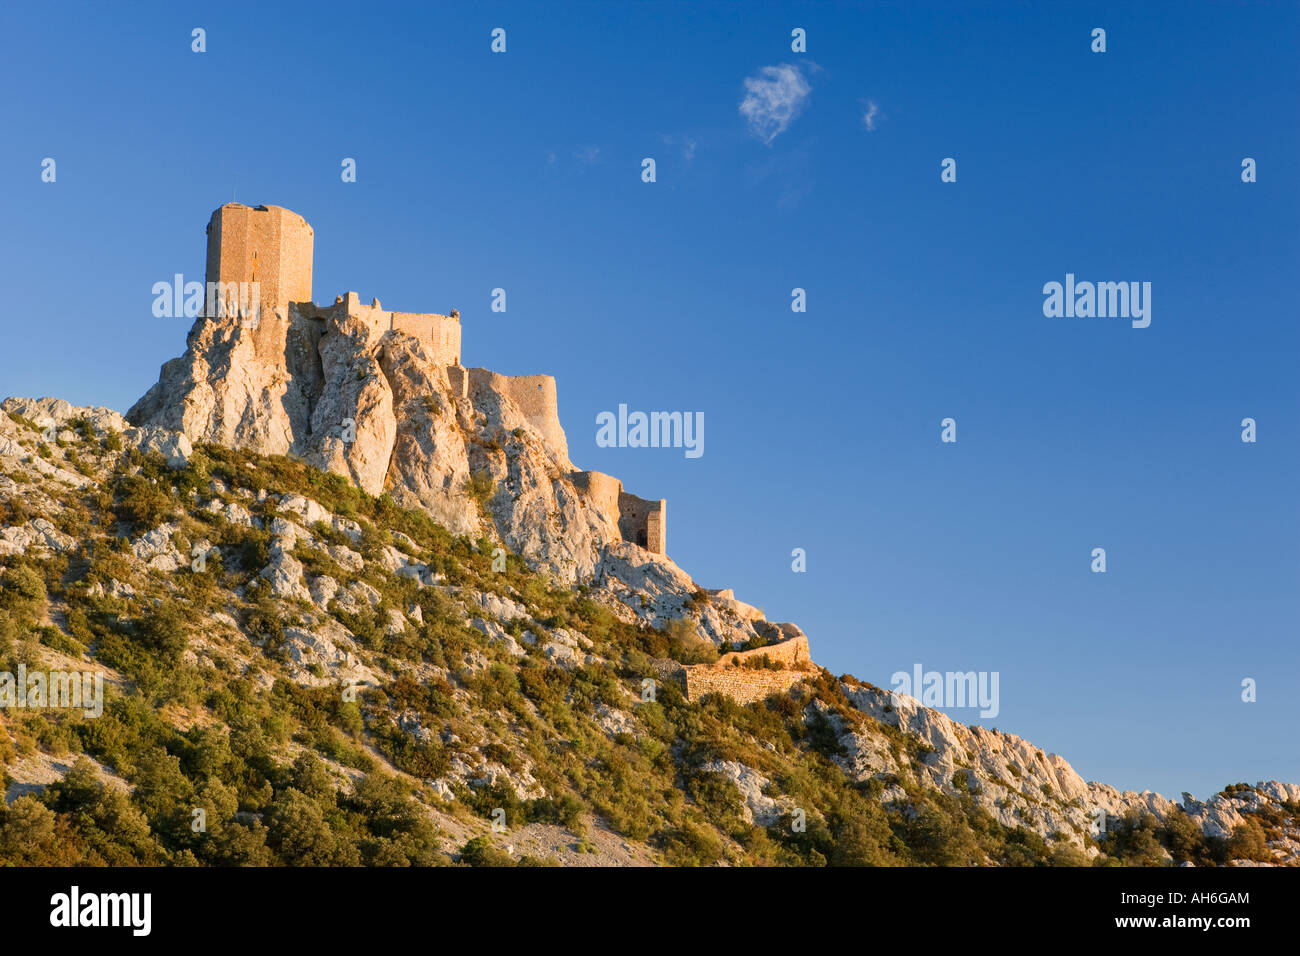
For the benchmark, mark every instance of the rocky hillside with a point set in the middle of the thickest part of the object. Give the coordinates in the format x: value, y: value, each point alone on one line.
x: 304, y: 667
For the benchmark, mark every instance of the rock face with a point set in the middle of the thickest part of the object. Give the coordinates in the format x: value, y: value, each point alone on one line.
x: 1010, y: 778
x: 348, y: 394
x: 39, y: 534
x: 1015, y: 782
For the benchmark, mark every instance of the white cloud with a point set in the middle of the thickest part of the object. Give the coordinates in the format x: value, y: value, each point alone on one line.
x: 773, y: 99
x: 870, y: 112
x: 687, y: 143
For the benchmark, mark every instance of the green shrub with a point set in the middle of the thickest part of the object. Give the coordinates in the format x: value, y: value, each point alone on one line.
x: 143, y: 504
x: 480, y: 851
x: 690, y: 845
x: 23, y: 591
x: 480, y: 486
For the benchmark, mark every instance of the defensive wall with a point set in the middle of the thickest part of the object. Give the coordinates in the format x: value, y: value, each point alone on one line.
x: 729, y: 675
x: 641, y: 521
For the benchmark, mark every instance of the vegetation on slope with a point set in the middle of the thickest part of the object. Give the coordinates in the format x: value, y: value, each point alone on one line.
x: 207, y: 752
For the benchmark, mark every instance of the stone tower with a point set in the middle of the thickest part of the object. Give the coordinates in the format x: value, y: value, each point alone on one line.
x: 269, y: 245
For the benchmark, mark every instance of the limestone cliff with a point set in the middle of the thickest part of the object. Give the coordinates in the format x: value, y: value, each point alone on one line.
x: 348, y: 394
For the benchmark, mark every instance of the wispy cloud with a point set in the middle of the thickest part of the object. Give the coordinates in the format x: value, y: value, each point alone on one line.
x: 574, y: 158
x: 773, y: 98
x: 688, y: 144
x: 869, y: 113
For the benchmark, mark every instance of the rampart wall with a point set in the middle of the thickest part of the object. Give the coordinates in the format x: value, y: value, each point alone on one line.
x: 534, y: 395
x: 640, y: 521
x: 729, y: 675
x: 438, y: 334
x: 644, y: 522
x: 792, y: 653
x: 742, y: 684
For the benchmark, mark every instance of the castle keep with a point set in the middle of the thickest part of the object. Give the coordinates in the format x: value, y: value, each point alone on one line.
x: 268, y: 245
x: 273, y: 247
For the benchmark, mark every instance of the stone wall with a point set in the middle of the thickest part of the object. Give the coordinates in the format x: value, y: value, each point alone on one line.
x: 535, y: 396
x: 644, y: 522
x: 459, y: 379
x: 669, y: 671
x: 601, y: 490
x: 640, y: 521
x: 792, y: 653
x: 656, y: 528
x: 742, y: 684
x: 438, y: 334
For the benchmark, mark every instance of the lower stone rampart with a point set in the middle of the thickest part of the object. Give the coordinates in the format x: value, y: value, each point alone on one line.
x: 742, y: 684
x: 738, y: 675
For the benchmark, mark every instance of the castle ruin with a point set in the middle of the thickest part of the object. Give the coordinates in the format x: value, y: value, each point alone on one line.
x: 268, y: 245
x: 273, y: 246
x: 749, y: 675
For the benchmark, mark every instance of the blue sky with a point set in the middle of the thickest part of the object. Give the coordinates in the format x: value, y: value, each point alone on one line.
x: 522, y: 171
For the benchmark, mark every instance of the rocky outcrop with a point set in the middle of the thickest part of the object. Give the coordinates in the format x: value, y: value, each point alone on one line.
x: 1224, y: 812
x: 372, y: 405
x: 641, y: 586
x: 325, y: 656
x: 39, y: 535
x: 57, y: 414
x: 757, y: 806
x: 1012, y: 780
